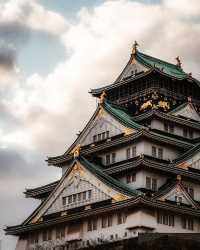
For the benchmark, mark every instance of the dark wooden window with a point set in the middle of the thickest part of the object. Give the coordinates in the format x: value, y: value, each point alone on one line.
x: 131, y: 177
x: 187, y: 223
x: 154, y: 184
x: 154, y: 151
x: 113, y: 157
x: 108, y: 159
x: 128, y: 153
x: 165, y: 219
x: 44, y: 235
x: 148, y: 182
x: 160, y: 153
x: 133, y: 151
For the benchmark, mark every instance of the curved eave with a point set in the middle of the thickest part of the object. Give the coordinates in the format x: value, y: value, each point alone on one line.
x: 97, y: 92
x: 167, y: 116
x: 133, y: 202
x: 41, y: 192
x: 59, y: 160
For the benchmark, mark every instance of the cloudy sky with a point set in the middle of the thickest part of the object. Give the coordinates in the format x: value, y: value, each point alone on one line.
x: 51, y: 53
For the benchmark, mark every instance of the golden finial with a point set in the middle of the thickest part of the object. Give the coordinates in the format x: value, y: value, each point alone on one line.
x: 77, y: 151
x: 178, y: 177
x: 102, y: 97
x: 134, y: 48
x: 178, y: 61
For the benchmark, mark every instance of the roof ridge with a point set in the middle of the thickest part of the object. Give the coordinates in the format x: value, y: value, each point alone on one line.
x: 108, y: 178
x: 161, y: 61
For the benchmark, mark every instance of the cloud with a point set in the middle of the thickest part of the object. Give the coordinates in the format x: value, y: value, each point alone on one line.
x: 42, y: 115
x: 18, y: 19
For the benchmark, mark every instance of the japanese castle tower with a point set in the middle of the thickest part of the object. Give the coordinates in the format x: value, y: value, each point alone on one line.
x: 134, y: 168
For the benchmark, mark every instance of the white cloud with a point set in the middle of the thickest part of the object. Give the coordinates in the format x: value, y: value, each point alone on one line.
x: 51, y: 109
x: 31, y: 14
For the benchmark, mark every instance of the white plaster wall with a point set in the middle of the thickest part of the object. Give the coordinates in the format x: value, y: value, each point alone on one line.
x: 178, y: 130
x: 143, y: 147
x: 196, y: 188
x: 135, y: 218
x: 141, y: 179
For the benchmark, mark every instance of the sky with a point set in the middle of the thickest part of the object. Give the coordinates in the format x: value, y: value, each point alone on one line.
x: 51, y: 53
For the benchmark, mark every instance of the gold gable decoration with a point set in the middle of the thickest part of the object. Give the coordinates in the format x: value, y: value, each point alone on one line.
x: 102, y: 97
x: 119, y: 197
x: 128, y: 131
x: 76, y: 151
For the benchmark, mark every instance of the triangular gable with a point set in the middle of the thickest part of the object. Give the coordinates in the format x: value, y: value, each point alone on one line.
x: 107, y: 117
x: 132, y: 68
x: 190, y: 159
x: 186, y: 110
x: 173, y: 192
x: 77, y: 179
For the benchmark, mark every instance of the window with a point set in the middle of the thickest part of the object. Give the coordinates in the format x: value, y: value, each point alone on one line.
x: 33, y: 238
x: 165, y: 219
x: 110, y: 221
x: 70, y: 199
x: 148, y: 182
x: 77, y: 197
x: 178, y: 199
x: 160, y: 153
x: 92, y: 225
x: 190, y: 191
x: 185, y: 132
x: 154, y: 151
x: 151, y: 183
x: 169, y: 127
x: 49, y: 234
x: 154, y: 184
x: 44, y: 235
x: 113, y: 157
x: 188, y: 133
x: 187, y: 223
x: 107, y: 134
x: 131, y: 178
x: 121, y: 218
x: 94, y: 138
x: 108, y: 159
x: 133, y: 151
x: 107, y: 221
x: 104, y: 222
x: 128, y: 153
x: 101, y: 136
x: 60, y: 232
x: 64, y: 201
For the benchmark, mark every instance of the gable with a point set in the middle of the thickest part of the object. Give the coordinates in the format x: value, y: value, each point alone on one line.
x: 78, y: 192
x: 102, y: 123
x: 192, y: 161
x: 77, y: 180
x: 176, y: 193
x: 131, y: 69
x: 188, y: 111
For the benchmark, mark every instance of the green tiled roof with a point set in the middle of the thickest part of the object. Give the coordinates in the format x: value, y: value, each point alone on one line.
x: 168, y: 68
x: 121, y: 115
x: 180, y: 107
x: 115, y: 184
x: 188, y: 154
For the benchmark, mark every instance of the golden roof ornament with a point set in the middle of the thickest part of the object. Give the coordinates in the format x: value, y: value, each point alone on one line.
x: 102, y: 97
x: 178, y: 177
x: 178, y: 61
x: 189, y: 99
x: 134, y: 48
x: 77, y: 151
